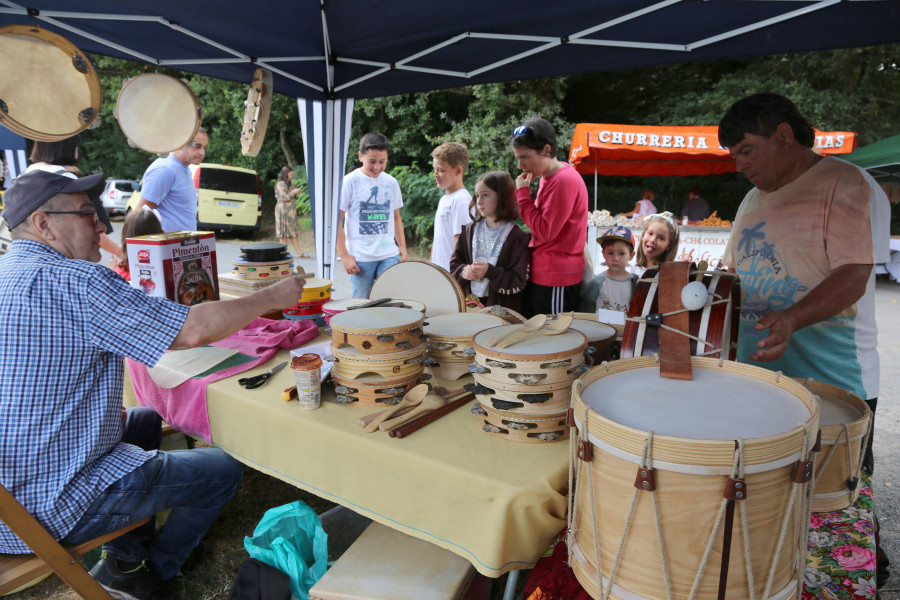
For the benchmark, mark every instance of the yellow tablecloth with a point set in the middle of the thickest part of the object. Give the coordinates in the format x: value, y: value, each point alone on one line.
x: 498, y: 504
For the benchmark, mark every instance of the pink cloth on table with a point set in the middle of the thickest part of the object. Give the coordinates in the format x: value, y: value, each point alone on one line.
x: 184, y: 406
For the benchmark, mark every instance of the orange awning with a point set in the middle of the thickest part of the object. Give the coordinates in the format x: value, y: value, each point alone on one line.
x: 644, y: 150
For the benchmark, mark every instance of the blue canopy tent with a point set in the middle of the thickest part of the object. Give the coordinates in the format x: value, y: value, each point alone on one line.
x: 328, y: 53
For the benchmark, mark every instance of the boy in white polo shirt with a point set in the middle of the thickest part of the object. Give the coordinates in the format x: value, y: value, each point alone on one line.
x: 450, y: 160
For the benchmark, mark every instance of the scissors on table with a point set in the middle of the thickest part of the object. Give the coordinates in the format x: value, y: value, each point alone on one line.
x: 251, y: 383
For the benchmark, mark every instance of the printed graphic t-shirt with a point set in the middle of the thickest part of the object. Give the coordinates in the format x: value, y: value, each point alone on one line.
x: 369, y: 204
x: 783, y: 244
x: 451, y: 216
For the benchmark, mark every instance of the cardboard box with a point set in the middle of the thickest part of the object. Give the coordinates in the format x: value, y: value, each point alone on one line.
x: 180, y: 266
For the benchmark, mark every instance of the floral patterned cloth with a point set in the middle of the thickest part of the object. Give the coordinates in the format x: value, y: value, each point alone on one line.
x: 286, y: 224
x: 840, y: 564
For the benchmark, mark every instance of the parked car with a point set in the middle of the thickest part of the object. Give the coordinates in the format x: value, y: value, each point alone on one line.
x: 116, y: 194
x: 228, y: 199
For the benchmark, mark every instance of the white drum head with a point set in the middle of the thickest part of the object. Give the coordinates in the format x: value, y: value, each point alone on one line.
x: 158, y: 113
x: 594, y: 331
x: 337, y: 306
x: 413, y: 304
x: 461, y: 324
x: 834, y: 411
x: 715, y: 405
x: 538, y: 345
x: 423, y: 281
x: 376, y: 319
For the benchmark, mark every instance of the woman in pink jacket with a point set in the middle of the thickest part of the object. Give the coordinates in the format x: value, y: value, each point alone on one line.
x: 557, y: 218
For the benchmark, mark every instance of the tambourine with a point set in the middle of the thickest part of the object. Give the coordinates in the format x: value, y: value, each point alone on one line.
x: 256, y: 112
x: 49, y: 89
x: 158, y: 113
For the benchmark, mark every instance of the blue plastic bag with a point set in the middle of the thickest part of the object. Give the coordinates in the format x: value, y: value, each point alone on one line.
x: 291, y: 539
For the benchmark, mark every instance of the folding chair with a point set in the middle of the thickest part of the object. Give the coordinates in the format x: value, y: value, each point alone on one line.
x: 19, y: 569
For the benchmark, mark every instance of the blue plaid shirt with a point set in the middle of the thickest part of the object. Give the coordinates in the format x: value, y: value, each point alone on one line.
x: 64, y: 327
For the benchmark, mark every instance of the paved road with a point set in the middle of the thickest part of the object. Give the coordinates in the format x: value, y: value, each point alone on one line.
x: 887, y: 423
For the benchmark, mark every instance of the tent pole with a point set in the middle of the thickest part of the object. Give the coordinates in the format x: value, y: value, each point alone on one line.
x: 595, y: 186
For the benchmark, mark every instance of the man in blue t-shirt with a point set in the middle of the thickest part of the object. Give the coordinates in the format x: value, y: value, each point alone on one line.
x: 169, y: 188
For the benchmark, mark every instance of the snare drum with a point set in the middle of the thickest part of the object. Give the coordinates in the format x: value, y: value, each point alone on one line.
x: 716, y: 323
x: 378, y: 330
x: 449, y: 336
x: 538, y: 361
x: 654, y: 457
x: 600, y: 338
x: 315, y: 289
x: 845, y: 421
x: 350, y: 363
x: 50, y: 89
x: 372, y: 390
x: 422, y: 281
x: 157, y: 113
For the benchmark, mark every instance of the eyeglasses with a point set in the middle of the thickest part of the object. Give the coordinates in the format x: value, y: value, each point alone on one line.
x: 86, y: 213
x: 520, y: 131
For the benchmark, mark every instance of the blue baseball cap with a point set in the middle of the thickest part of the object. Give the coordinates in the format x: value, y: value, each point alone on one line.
x: 621, y: 234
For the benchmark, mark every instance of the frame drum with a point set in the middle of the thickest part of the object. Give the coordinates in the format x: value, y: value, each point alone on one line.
x: 378, y: 330
x: 519, y: 427
x: 256, y: 112
x: 350, y: 363
x: 372, y: 390
x: 450, y: 340
x: 537, y: 361
x: 663, y: 465
x: 158, y: 113
x: 714, y: 323
x: 422, y: 281
x: 50, y: 89
x: 845, y: 421
x: 316, y: 288
x: 600, y: 338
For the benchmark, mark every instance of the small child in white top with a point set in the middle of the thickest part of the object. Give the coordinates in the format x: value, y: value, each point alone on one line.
x: 612, y: 289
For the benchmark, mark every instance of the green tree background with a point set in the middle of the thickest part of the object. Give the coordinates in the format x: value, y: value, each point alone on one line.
x: 856, y: 89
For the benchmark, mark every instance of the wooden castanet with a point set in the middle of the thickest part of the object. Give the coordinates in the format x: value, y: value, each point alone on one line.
x: 350, y: 363
x: 679, y: 442
x: 717, y: 324
x: 378, y: 330
x: 845, y: 422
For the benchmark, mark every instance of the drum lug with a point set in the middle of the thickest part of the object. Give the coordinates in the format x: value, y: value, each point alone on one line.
x: 817, y: 447
x: 735, y: 489
x: 852, y: 482
x: 585, y: 451
x: 802, y: 471
x: 654, y: 319
x: 645, y: 480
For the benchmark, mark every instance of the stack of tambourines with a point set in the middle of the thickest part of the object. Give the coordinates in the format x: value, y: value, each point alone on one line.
x: 378, y: 354
x: 524, y: 389
x: 316, y: 293
x: 450, y: 341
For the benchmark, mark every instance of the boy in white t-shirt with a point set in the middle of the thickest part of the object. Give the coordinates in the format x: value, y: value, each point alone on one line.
x: 370, y: 234
x: 450, y: 160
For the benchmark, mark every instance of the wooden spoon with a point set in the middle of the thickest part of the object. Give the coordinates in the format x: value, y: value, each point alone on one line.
x: 560, y: 325
x: 529, y: 326
x: 413, y: 397
x: 429, y: 404
x: 702, y: 266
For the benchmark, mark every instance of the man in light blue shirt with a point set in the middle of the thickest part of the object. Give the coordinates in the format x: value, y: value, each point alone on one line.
x: 168, y: 187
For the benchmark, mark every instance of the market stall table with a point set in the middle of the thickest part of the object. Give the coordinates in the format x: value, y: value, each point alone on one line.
x: 498, y: 504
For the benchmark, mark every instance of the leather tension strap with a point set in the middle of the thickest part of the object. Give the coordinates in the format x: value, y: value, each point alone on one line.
x: 674, y: 348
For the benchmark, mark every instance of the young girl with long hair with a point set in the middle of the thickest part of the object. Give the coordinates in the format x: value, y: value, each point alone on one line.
x: 491, y: 259
x: 659, y: 242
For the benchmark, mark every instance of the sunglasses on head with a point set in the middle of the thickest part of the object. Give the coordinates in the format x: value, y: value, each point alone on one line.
x: 520, y: 131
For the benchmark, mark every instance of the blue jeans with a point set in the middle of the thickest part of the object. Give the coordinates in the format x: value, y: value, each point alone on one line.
x: 361, y: 283
x: 195, y: 484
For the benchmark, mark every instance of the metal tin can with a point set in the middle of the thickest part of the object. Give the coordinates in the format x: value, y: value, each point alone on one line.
x: 307, y: 372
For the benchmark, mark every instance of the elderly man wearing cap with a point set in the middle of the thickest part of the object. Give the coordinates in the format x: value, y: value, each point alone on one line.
x: 612, y: 289
x: 65, y: 324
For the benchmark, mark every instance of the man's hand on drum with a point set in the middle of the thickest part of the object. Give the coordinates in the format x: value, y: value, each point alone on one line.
x: 474, y: 272
x: 350, y: 264
x: 524, y: 179
x: 781, y: 326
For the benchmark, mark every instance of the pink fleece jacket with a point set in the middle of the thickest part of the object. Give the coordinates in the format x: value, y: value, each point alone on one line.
x: 558, y: 223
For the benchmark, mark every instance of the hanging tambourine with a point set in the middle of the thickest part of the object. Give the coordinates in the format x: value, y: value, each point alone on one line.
x: 158, y: 113
x: 256, y: 112
x: 49, y: 89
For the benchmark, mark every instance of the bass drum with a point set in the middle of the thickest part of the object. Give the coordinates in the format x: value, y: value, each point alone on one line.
x: 49, y: 89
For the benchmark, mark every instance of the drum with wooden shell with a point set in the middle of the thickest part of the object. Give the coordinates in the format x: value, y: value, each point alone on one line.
x: 845, y: 420
x: 449, y: 338
x: 537, y: 361
x: 524, y: 399
x: 683, y: 486
x: 263, y: 270
x: 716, y: 323
x: 600, y: 338
x: 372, y: 390
x: 423, y: 281
x: 378, y: 330
x: 520, y: 427
x: 350, y: 363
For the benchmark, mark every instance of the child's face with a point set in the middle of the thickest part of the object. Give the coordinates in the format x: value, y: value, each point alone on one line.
x: 655, y: 240
x: 373, y: 161
x: 617, y: 254
x: 485, y: 200
x: 444, y: 174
